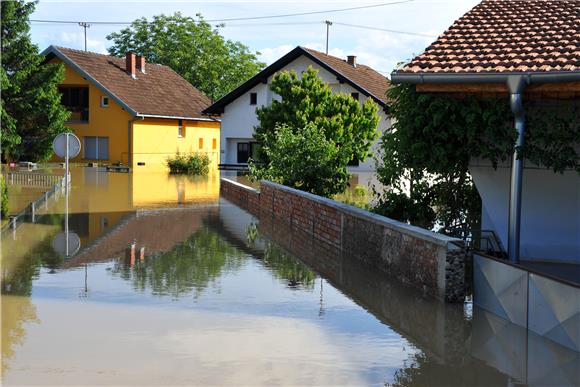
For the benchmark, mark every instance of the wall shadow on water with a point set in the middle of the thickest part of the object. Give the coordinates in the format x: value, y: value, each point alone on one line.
x: 457, y: 349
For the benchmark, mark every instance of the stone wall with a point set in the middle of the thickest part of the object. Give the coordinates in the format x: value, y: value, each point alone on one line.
x: 431, y: 262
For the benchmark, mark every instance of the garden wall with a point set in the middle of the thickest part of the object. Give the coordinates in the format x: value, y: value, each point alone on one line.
x: 423, y: 259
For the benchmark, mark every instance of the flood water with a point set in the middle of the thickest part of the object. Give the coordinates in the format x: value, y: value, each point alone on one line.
x: 172, y: 285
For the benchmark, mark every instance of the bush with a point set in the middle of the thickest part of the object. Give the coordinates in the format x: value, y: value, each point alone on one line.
x: 4, y: 194
x: 303, y: 158
x: 191, y: 163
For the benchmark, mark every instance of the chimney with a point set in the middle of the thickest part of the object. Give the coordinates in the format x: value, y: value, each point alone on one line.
x: 141, y: 63
x: 130, y: 63
x: 351, y: 60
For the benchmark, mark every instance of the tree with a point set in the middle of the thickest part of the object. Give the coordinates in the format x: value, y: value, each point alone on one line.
x: 193, y: 48
x: 310, y: 134
x: 305, y: 159
x: 32, y: 114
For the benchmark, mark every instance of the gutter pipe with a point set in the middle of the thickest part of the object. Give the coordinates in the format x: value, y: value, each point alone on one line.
x: 516, y: 83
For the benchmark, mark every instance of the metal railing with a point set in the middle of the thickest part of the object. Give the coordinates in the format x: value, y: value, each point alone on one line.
x: 31, y: 179
x: 29, y: 213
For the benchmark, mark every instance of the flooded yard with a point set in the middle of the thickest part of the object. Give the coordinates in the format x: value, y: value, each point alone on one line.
x: 173, y: 285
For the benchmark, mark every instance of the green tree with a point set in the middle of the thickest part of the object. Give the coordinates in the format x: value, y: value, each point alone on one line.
x: 310, y: 135
x: 193, y: 48
x: 305, y: 159
x: 32, y: 114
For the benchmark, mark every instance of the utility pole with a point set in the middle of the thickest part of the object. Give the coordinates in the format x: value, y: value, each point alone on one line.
x: 85, y: 25
x: 328, y: 24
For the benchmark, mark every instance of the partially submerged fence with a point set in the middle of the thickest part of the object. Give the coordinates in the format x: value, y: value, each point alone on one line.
x: 31, y: 179
x: 426, y: 260
x: 29, y: 213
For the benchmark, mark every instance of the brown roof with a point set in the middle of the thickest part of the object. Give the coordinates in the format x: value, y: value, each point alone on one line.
x: 364, y: 76
x: 159, y: 91
x: 501, y: 36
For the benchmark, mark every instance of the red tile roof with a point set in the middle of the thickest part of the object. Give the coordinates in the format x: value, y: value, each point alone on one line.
x: 371, y: 80
x: 502, y: 36
x: 159, y: 91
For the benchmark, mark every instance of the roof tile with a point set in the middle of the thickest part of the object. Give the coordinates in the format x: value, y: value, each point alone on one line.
x: 159, y: 91
x: 525, y: 35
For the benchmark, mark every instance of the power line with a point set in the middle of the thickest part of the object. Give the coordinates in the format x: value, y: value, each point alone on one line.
x: 237, y: 18
x: 385, y: 30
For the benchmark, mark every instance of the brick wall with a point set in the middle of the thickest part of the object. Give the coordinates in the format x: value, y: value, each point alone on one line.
x: 423, y: 259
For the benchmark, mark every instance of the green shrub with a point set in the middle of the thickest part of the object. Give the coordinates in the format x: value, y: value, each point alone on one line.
x: 4, y: 194
x: 191, y: 163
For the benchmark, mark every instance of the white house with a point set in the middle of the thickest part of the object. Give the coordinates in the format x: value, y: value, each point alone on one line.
x: 238, y: 108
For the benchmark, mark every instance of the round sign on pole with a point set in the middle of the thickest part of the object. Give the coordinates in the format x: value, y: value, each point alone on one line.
x: 59, y: 145
x: 60, y: 242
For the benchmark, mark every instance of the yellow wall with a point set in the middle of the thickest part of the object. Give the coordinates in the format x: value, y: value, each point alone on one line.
x: 109, y: 122
x: 154, y: 140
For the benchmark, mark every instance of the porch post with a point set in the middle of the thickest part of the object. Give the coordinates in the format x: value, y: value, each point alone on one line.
x: 516, y: 85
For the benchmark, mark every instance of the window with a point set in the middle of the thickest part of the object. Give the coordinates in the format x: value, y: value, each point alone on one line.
x: 354, y: 162
x: 96, y: 148
x: 214, y: 144
x: 180, y: 131
x: 253, y: 98
x: 76, y: 100
x: 201, y: 143
x: 104, y: 101
x: 243, y: 152
x: 355, y: 96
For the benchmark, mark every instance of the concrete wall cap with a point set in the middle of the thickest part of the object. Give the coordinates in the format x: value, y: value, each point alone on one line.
x: 415, y: 231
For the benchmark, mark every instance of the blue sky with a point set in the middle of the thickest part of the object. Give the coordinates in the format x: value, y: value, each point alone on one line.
x: 378, y: 49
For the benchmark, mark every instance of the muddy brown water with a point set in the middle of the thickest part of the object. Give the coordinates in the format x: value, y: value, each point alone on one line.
x: 174, y: 286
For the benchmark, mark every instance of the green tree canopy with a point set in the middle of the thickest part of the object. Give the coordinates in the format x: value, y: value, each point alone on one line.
x: 310, y: 134
x: 32, y: 114
x: 193, y: 48
x: 310, y: 100
x: 305, y: 159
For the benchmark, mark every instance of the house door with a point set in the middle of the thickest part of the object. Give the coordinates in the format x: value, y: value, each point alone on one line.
x: 96, y: 148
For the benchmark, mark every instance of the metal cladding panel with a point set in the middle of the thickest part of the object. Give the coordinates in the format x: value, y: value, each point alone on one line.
x: 499, y: 343
x: 501, y: 289
x: 554, y: 311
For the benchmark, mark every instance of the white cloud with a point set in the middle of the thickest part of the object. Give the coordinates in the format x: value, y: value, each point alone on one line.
x: 77, y: 41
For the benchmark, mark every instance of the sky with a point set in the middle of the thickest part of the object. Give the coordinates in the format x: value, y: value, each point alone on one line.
x: 272, y: 38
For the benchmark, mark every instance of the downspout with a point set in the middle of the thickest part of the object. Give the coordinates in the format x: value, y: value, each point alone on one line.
x: 516, y: 85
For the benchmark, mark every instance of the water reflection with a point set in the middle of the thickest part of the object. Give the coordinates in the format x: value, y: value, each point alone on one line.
x: 188, y: 267
x: 207, y: 294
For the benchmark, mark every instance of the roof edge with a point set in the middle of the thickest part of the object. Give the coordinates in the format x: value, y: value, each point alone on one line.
x: 273, y: 68
x: 478, y: 78
x: 59, y: 54
x: 179, y: 117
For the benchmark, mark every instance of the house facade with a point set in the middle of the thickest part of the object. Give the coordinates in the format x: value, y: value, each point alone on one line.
x: 526, y: 53
x: 237, y: 109
x: 127, y: 111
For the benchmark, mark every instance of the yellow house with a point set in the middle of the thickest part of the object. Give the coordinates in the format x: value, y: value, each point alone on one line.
x: 126, y: 111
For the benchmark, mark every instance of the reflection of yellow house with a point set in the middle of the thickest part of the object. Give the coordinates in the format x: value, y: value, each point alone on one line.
x: 128, y: 112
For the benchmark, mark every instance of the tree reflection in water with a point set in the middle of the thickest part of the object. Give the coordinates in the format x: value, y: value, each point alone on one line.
x: 189, y: 267
x: 287, y: 268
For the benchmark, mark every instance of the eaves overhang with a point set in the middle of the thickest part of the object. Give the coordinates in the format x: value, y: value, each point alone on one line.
x: 474, y: 78
x: 60, y: 55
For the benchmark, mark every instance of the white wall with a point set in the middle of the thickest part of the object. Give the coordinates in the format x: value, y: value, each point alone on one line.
x: 550, y: 222
x: 239, y: 117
